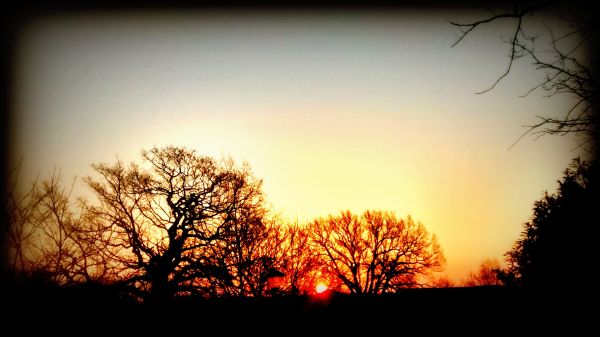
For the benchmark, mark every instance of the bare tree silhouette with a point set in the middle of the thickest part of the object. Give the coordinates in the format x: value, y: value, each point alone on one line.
x: 166, y: 217
x: 70, y: 245
x: 250, y: 252
x: 51, y: 233
x: 19, y: 216
x: 563, y: 54
x: 375, y: 252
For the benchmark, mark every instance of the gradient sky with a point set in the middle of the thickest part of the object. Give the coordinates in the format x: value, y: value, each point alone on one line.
x: 334, y: 110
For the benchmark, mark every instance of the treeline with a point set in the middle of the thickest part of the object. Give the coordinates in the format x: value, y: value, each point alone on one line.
x: 179, y: 223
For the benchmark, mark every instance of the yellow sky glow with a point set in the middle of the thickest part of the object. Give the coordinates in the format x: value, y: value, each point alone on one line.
x: 334, y: 111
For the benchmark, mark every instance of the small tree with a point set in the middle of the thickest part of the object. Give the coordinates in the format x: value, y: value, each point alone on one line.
x: 442, y: 282
x: 249, y: 252
x: 19, y: 217
x: 50, y: 234
x: 487, y: 275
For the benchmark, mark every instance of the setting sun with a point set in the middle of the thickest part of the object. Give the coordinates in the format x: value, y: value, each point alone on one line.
x: 321, y: 287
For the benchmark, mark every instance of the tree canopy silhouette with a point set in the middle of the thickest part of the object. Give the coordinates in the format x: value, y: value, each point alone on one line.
x: 558, y: 241
x: 375, y: 252
x: 179, y: 223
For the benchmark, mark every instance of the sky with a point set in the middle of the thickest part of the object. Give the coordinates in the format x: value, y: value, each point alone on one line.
x: 334, y: 110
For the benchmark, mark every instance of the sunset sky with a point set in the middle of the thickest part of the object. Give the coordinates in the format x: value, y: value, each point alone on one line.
x: 333, y: 109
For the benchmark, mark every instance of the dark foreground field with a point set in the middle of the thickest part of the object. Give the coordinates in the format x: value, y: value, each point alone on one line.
x: 468, y: 311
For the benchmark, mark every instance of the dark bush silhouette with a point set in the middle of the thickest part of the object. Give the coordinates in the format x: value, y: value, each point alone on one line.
x: 558, y: 243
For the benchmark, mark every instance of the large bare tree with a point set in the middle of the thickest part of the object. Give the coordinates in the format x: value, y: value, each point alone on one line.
x: 376, y: 252
x: 169, y: 214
